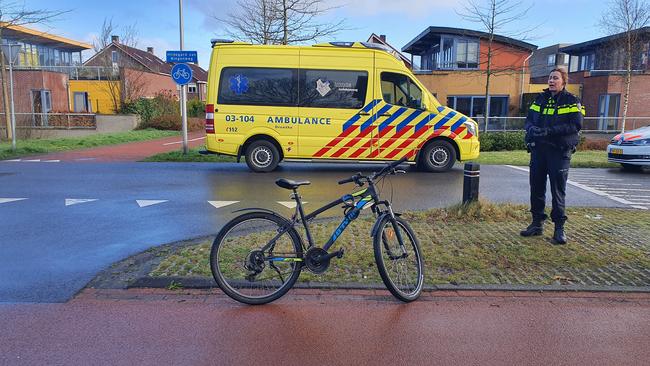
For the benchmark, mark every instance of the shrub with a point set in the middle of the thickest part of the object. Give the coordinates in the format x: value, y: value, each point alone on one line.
x: 498, y: 141
x: 591, y: 144
x: 195, y: 108
x: 163, y: 122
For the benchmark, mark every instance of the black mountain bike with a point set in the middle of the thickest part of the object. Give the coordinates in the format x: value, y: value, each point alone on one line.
x: 257, y: 257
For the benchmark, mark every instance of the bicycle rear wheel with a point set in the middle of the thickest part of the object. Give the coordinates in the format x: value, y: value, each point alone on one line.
x: 246, y: 273
x: 400, y: 266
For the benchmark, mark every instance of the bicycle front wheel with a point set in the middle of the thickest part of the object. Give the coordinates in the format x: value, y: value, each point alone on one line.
x: 247, y: 271
x: 400, y: 265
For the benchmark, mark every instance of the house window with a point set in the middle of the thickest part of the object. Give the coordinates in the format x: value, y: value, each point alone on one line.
x: 115, y: 56
x: 191, y: 88
x: 563, y: 59
x: 474, y: 105
x: 587, y: 62
x: 608, y: 111
x: 551, y: 60
x: 466, y: 54
x: 81, y: 102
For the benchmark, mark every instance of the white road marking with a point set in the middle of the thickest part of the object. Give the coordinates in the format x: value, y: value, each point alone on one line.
x: 51, y: 161
x: 7, y: 200
x: 641, y: 207
x: 74, y: 201
x: 32, y: 161
x: 290, y: 204
x: 145, y: 203
x: 627, y: 189
x: 219, y: 204
x: 586, y: 188
x: 180, y: 142
x: 84, y: 159
x: 12, y: 160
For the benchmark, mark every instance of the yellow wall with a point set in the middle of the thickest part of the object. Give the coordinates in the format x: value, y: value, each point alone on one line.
x: 459, y: 83
x: 99, y: 94
x: 575, y: 89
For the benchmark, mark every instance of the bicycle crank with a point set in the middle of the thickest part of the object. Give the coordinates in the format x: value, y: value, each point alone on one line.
x: 317, y: 260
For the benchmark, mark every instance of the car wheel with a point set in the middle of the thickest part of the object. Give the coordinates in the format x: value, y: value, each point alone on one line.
x: 631, y: 167
x: 262, y: 156
x: 438, y: 156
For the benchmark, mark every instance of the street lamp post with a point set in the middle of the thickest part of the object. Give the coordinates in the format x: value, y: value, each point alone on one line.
x: 11, y: 53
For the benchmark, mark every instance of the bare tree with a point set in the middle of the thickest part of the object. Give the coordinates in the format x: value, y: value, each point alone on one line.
x: 128, y: 35
x: 495, y: 17
x: 13, y: 13
x: 121, y: 85
x: 626, y: 17
x: 279, y: 21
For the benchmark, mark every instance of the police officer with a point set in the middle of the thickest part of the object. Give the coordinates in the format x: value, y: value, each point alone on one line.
x: 552, y: 127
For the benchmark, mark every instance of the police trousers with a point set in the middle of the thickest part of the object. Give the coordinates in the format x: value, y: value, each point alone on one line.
x: 552, y: 162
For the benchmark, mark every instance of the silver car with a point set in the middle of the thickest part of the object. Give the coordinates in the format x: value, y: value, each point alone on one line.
x: 631, y: 149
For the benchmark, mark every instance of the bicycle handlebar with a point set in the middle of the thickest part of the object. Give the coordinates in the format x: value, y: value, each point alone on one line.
x: 385, y: 170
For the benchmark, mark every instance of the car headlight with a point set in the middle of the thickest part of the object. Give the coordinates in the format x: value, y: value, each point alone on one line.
x: 472, y: 127
x: 644, y: 142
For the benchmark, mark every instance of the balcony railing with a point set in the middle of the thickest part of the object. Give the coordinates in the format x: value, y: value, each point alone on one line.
x: 80, y: 72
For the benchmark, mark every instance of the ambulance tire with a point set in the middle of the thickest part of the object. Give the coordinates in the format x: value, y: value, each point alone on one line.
x: 438, y: 156
x: 262, y: 156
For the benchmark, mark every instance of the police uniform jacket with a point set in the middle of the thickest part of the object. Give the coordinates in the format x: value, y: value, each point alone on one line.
x: 561, y: 115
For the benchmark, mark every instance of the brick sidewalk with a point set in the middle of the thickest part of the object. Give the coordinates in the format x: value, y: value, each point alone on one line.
x: 127, y: 152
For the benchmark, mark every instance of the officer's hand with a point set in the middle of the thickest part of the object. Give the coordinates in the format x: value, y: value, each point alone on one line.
x: 538, y: 131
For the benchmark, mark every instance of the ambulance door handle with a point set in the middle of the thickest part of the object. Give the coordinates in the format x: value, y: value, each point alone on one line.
x: 363, y: 113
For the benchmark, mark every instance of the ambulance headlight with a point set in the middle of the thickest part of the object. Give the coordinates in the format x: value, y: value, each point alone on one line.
x: 472, y: 127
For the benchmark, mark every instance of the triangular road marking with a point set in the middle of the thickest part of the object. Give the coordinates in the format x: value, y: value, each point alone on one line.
x: 13, y: 160
x: 290, y: 204
x: 6, y: 200
x: 51, y: 161
x: 33, y: 160
x: 219, y: 204
x: 145, y: 203
x: 74, y: 201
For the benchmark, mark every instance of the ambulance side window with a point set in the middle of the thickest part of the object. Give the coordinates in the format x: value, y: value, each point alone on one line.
x: 398, y: 89
x: 258, y: 86
x: 333, y: 88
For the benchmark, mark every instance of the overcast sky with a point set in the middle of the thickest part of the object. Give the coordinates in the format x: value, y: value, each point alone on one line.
x: 557, y: 21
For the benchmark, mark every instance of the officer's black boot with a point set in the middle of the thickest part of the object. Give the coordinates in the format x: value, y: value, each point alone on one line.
x: 535, y: 228
x: 558, y: 234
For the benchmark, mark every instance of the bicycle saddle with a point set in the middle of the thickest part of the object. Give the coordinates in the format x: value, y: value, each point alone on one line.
x: 291, y: 184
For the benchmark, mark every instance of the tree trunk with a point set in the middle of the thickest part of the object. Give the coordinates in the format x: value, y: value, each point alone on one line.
x: 628, y: 79
x: 285, y: 21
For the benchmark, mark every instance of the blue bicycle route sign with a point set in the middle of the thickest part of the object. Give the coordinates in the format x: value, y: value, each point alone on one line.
x: 181, y: 74
x: 182, y: 56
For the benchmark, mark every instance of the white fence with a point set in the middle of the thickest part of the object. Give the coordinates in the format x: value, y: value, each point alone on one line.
x: 590, y: 124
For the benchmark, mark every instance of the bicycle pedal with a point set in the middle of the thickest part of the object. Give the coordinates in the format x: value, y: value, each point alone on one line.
x: 339, y: 253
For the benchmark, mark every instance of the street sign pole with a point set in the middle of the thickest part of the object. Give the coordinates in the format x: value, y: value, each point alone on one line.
x: 183, y: 87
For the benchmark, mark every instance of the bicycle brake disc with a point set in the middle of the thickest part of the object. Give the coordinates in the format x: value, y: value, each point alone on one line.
x: 316, y: 260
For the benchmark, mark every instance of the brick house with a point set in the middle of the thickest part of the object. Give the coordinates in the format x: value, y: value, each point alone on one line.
x: 41, y: 74
x: 138, y: 74
x: 598, y: 66
x: 452, y: 64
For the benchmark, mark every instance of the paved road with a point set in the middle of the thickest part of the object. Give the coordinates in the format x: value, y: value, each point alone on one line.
x: 330, y: 328
x: 74, y: 220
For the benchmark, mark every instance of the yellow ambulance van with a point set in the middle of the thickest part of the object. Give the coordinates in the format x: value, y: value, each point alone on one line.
x: 338, y: 101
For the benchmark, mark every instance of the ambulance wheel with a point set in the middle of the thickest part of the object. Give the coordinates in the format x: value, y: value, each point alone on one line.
x: 262, y: 156
x: 437, y: 156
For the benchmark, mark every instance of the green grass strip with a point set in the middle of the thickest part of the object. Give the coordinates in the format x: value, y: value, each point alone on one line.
x: 581, y: 159
x: 480, y: 244
x: 44, y: 146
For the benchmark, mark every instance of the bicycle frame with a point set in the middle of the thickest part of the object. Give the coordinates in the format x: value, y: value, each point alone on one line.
x: 367, y: 197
